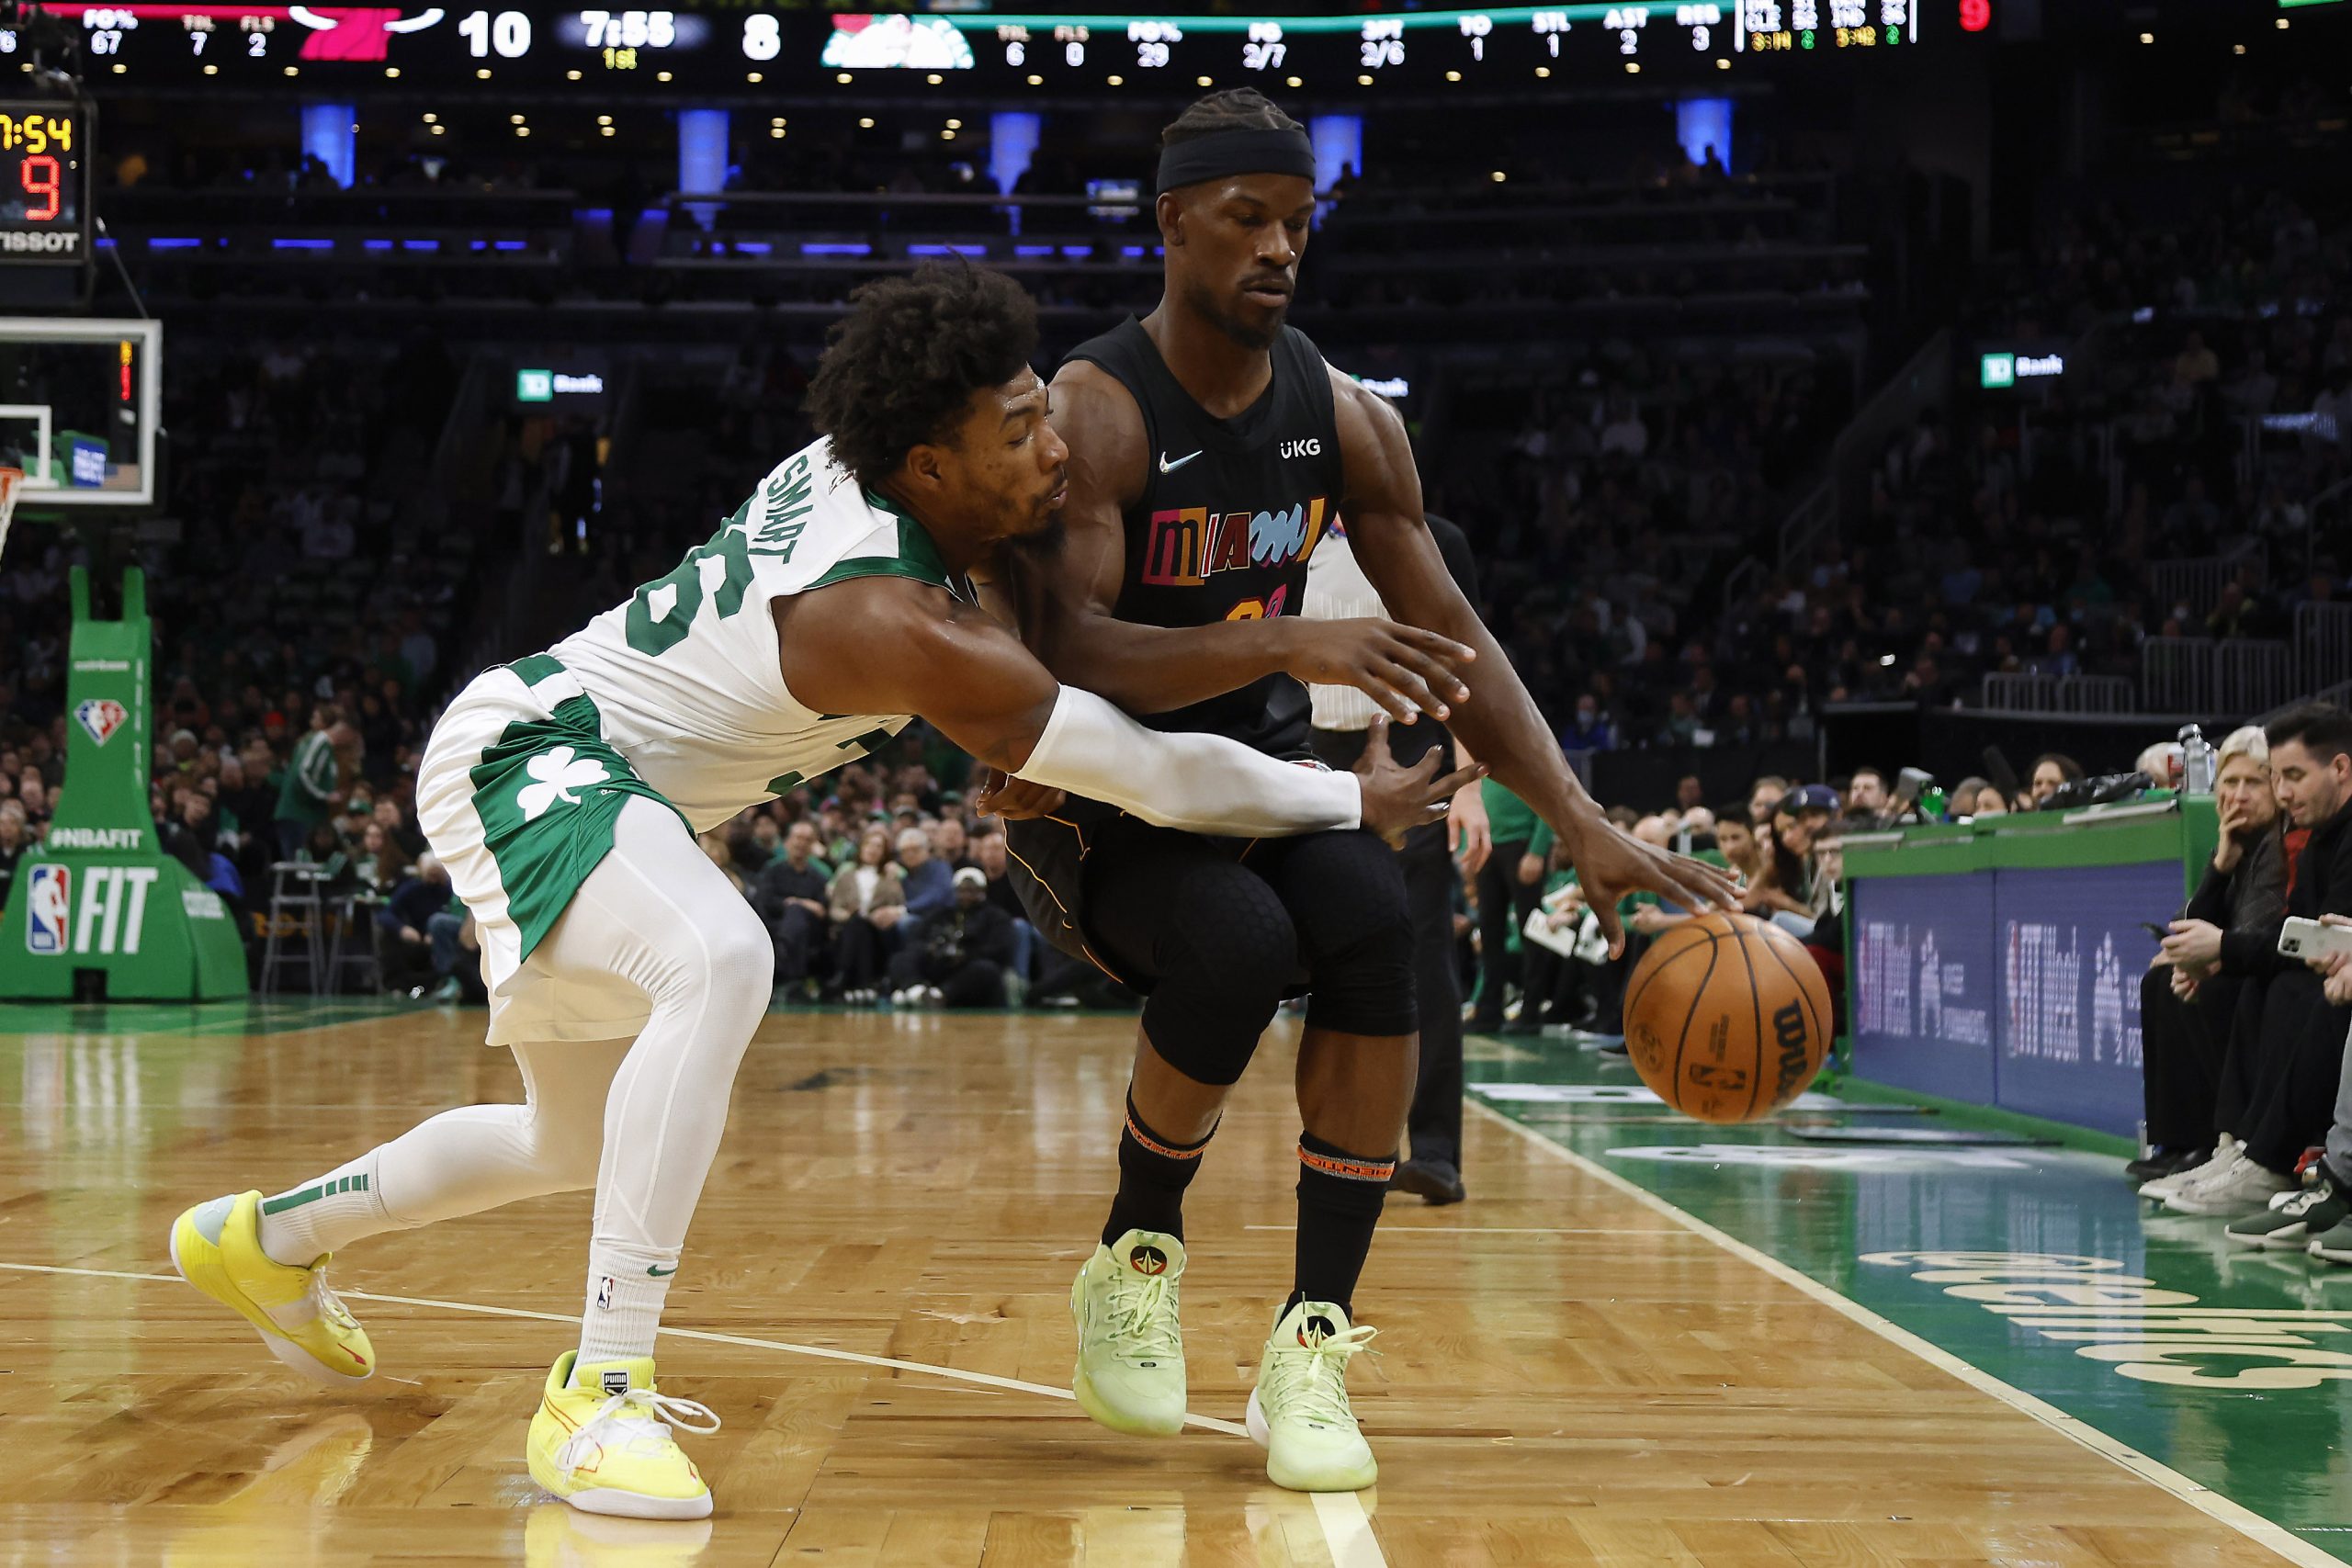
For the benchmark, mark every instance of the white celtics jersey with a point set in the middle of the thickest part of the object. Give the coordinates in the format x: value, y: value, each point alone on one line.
x: 684, y: 675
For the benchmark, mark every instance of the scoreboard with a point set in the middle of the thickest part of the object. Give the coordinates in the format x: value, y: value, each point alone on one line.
x: 731, y: 47
x: 44, y: 196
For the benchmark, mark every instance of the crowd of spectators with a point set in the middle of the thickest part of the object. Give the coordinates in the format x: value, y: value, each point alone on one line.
x: 305, y: 597
x: 880, y: 886
x: 1609, y: 519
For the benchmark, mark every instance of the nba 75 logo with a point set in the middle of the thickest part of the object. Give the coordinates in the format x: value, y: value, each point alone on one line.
x: 101, y: 717
x: 46, y: 911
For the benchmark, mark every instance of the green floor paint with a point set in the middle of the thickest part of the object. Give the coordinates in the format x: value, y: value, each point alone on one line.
x: 2039, y: 1266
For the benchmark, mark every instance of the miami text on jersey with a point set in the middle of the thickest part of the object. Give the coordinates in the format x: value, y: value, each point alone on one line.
x: 1188, y: 546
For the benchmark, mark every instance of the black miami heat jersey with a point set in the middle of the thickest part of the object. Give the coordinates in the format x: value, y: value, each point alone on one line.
x: 1230, y: 510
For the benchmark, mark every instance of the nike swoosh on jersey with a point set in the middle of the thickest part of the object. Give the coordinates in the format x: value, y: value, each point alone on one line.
x: 1168, y: 467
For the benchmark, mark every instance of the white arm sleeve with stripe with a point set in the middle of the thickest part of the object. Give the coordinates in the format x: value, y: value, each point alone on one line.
x: 1200, y: 784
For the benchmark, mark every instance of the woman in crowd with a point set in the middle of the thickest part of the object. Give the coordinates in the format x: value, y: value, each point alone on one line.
x: 2184, y: 1017
x: 868, y: 900
x: 381, y: 864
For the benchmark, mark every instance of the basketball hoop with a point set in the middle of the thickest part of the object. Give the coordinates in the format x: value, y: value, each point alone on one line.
x: 12, y: 481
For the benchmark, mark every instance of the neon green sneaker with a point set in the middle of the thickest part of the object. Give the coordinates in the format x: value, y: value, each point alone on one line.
x: 215, y: 1247
x: 608, y: 1447
x: 1299, y: 1412
x: 1130, y: 1342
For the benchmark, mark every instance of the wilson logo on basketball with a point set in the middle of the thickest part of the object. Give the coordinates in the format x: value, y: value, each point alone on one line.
x: 1147, y: 1260
x: 101, y: 717
x: 1789, y: 1030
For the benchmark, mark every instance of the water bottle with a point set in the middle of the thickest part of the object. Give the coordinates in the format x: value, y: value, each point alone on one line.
x: 2196, y: 762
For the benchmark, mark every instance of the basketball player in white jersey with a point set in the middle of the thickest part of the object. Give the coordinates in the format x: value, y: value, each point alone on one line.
x: 564, y: 791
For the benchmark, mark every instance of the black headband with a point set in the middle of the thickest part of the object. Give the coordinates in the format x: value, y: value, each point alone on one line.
x: 1226, y: 152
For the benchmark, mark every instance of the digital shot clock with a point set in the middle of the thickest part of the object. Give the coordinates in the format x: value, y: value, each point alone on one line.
x: 44, y: 183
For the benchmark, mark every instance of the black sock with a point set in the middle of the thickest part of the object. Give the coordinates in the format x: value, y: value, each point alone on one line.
x: 1153, y: 1173
x: 1340, y: 1196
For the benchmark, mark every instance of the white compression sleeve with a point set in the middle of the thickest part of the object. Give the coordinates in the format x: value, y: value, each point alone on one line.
x: 1201, y: 783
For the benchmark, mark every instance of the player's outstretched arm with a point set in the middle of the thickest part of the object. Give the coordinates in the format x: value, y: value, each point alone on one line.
x: 886, y: 645
x: 1064, y: 590
x: 1499, y: 723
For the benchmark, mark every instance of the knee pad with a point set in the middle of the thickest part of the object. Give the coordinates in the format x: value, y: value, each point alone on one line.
x: 1228, y: 954
x: 1355, y: 936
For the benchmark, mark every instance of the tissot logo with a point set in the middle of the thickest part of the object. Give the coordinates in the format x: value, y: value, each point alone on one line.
x: 1310, y: 448
x: 68, y: 244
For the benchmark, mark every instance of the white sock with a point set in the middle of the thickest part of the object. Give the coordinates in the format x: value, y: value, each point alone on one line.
x: 627, y: 1286
x: 303, y: 1224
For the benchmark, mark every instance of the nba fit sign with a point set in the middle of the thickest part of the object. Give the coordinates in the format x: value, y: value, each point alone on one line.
x: 2015, y: 987
x: 99, y: 909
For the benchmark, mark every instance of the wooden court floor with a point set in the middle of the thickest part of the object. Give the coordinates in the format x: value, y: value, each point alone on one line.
x: 875, y: 1293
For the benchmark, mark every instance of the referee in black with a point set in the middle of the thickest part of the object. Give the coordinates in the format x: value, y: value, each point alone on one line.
x: 1337, y: 590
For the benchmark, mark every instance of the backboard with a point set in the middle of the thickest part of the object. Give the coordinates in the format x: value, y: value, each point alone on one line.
x: 81, y: 402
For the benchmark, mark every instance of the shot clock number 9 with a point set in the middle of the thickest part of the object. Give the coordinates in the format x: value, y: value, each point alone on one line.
x: 41, y: 209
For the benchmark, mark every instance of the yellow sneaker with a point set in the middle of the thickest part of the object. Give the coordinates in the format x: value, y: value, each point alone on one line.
x: 215, y: 1247
x: 1130, y: 1374
x: 1300, y: 1414
x: 607, y: 1446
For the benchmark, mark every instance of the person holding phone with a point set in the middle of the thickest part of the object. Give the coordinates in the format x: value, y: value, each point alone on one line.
x: 2284, y: 1061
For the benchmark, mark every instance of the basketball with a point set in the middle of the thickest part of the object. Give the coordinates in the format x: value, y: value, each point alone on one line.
x: 1727, y: 1017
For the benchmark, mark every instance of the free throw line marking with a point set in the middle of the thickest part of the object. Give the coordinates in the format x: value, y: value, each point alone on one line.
x: 2206, y: 1501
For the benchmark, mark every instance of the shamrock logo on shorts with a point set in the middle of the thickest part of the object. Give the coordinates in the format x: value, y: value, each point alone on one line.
x: 558, y: 771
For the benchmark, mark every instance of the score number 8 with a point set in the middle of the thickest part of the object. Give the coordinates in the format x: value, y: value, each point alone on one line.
x: 41, y: 175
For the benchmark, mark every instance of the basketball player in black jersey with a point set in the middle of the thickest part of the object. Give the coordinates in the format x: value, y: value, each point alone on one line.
x: 1210, y: 447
